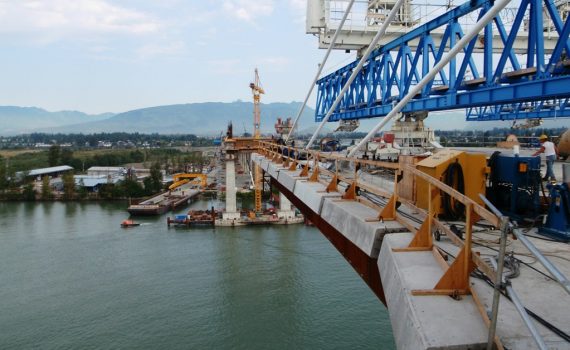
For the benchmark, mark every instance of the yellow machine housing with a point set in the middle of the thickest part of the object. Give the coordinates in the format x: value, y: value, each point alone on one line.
x: 474, y: 166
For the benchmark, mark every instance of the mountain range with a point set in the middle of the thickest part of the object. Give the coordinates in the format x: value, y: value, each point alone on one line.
x: 17, y: 120
x: 206, y: 119
x: 209, y: 118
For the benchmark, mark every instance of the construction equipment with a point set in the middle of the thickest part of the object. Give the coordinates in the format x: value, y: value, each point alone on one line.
x: 557, y: 223
x: 514, y: 185
x: 526, y: 79
x: 465, y: 172
x: 283, y: 126
x: 328, y: 144
x: 181, y: 179
x: 257, y: 90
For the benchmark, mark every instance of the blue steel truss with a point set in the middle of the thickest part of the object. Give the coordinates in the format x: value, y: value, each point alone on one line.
x: 502, y: 90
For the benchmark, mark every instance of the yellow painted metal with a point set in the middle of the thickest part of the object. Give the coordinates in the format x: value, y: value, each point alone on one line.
x: 258, y: 182
x: 178, y: 184
x: 179, y: 177
x: 474, y: 167
x: 257, y: 90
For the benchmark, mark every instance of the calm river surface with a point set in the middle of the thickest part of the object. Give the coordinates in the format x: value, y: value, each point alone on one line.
x: 71, y: 278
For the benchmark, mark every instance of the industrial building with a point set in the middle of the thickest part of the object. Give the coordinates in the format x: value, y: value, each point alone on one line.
x: 55, y: 171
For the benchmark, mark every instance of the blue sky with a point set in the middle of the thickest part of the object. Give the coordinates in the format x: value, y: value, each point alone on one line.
x: 100, y: 56
x: 115, y: 55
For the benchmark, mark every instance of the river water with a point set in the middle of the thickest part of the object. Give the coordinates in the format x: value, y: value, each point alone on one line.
x: 71, y: 278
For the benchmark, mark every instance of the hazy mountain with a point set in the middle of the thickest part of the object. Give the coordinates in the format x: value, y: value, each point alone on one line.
x: 209, y: 118
x: 16, y: 120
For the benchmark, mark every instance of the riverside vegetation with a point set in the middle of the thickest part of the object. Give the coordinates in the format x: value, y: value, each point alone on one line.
x: 22, y: 188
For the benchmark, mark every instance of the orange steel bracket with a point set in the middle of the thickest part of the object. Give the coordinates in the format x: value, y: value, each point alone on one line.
x: 305, y: 170
x: 457, y: 275
x: 315, y: 175
x: 388, y: 213
x: 422, y: 240
x: 332, y: 186
x: 350, y: 193
x: 293, y: 165
x: 455, y: 280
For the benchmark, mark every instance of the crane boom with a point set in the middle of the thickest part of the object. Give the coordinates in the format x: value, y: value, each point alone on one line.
x: 257, y: 90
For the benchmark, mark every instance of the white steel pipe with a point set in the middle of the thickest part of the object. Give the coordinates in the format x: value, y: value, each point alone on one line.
x: 356, y: 70
x: 321, y: 66
x: 514, y: 297
x: 488, y: 17
x: 550, y: 267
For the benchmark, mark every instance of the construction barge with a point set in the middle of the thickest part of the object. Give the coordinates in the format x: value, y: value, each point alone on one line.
x: 194, y: 218
x: 163, y: 202
x: 270, y: 216
x: 212, y: 217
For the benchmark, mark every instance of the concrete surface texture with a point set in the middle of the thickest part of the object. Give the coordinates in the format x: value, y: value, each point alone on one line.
x: 352, y: 220
x: 425, y: 322
x: 231, y: 202
x: 439, y: 322
x: 285, y: 210
x: 538, y: 292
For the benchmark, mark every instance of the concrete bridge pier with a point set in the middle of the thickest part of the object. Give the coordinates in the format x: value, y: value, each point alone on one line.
x: 231, y: 212
x: 285, y: 210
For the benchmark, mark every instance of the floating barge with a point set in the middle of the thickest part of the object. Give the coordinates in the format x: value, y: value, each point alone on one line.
x: 163, y: 202
x: 194, y: 218
x: 201, y: 218
x: 268, y: 217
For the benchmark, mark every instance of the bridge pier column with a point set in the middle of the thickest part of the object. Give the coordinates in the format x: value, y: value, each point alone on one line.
x: 285, y: 210
x: 231, y: 212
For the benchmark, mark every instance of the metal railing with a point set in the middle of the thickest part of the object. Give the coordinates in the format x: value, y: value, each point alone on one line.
x: 455, y: 280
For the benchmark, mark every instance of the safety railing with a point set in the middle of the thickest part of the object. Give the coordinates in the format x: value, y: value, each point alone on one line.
x: 455, y: 279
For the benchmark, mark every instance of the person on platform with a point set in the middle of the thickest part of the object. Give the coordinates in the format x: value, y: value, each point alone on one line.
x: 551, y: 152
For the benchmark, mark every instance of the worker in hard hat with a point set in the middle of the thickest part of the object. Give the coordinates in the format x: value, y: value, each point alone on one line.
x: 551, y: 152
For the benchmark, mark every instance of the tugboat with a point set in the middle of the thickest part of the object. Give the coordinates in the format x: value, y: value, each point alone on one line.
x: 129, y: 223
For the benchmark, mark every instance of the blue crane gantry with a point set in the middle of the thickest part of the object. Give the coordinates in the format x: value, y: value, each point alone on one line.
x: 504, y: 90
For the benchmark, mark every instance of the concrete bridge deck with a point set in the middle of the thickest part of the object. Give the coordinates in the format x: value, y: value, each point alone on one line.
x: 421, y: 321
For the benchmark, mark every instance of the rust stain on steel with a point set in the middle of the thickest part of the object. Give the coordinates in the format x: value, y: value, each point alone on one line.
x: 364, y: 265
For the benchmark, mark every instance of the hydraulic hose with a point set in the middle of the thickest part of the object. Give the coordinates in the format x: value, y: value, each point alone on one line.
x: 452, y: 209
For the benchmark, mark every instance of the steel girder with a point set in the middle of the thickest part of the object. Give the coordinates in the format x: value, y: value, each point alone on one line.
x: 496, y: 88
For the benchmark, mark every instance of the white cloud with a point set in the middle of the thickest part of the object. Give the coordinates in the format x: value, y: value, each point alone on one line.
x: 230, y: 66
x: 298, y: 5
x: 248, y: 10
x: 52, y: 20
x: 171, y: 49
x: 299, y: 8
x: 276, y: 61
